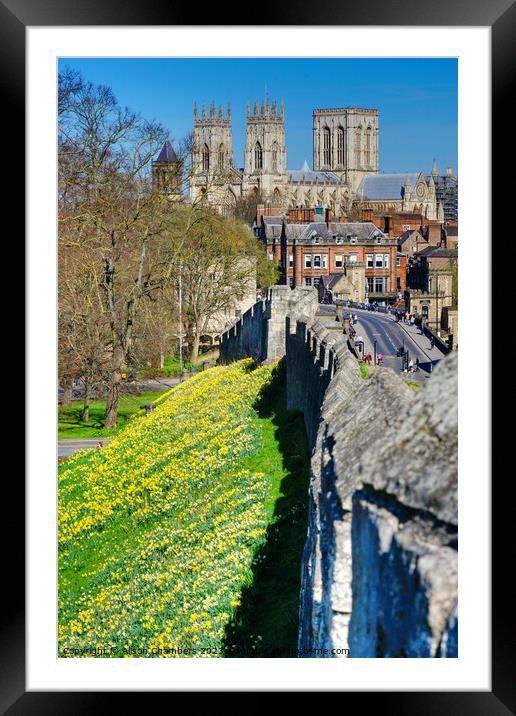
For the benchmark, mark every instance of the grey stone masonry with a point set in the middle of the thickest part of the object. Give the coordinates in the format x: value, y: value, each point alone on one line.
x: 379, y: 569
x: 260, y: 332
x: 379, y: 572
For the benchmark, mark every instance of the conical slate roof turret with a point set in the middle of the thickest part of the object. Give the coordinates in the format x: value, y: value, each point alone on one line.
x: 167, y: 153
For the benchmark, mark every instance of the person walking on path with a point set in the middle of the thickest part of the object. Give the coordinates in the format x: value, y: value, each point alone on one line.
x: 417, y: 365
x: 410, y: 366
x: 380, y: 358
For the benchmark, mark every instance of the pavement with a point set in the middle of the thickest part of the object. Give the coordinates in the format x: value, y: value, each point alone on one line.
x: 390, y: 335
x: 68, y: 446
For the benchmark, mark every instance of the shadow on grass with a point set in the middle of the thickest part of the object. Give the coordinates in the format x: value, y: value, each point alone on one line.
x: 266, y: 622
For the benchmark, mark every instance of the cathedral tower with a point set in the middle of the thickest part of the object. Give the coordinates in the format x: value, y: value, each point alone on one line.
x: 346, y: 142
x: 167, y: 173
x: 265, y: 159
x: 212, y: 151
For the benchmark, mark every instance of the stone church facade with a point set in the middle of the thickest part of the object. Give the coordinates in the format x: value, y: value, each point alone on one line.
x: 345, y: 149
x: 344, y: 175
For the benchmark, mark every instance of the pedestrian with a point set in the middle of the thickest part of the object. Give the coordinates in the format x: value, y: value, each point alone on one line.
x: 410, y: 366
x: 417, y: 365
x: 380, y: 358
x: 368, y: 359
x: 355, y: 318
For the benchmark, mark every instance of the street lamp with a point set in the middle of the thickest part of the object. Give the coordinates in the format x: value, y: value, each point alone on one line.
x: 374, y: 348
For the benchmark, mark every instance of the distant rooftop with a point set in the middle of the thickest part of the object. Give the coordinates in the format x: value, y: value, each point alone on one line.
x: 385, y: 186
x: 167, y: 153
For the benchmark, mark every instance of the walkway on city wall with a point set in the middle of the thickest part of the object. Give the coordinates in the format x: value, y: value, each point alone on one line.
x: 379, y: 573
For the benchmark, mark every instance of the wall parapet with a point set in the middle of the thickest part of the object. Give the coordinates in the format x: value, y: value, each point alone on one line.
x: 379, y: 569
x: 379, y: 574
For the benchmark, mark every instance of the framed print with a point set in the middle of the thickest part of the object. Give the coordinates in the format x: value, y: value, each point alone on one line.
x: 243, y: 283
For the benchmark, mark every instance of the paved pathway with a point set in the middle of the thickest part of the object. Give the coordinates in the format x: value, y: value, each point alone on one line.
x: 390, y: 335
x: 68, y: 446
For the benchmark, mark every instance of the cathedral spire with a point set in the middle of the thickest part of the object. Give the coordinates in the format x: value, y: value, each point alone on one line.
x: 195, y: 111
x: 282, y: 109
x: 203, y: 113
x: 229, y: 112
x: 212, y: 110
x: 434, y: 169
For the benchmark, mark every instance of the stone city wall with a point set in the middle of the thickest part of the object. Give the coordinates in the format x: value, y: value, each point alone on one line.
x: 379, y: 571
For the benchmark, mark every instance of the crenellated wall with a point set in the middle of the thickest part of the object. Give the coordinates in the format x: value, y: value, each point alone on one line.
x: 379, y: 572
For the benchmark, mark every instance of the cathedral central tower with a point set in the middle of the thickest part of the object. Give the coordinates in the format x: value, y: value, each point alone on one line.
x: 265, y: 158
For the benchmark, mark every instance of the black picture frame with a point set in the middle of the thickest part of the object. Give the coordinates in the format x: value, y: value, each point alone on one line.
x: 500, y: 15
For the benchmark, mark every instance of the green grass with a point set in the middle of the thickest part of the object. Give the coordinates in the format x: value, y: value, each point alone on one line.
x: 70, y: 423
x: 413, y: 385
x: 266, y: 624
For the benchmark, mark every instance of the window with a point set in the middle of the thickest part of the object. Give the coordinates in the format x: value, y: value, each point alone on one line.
x: 308, y: 260
x: 370, y: 284
x: 325, y: 260
x: 316, y: 281
x: 398, y: 261
x: 378, y: 285
x: 308, y: 281
x: 326, y: 147
x: 369, y: 260
x: 221, y: 156
x: 406, y: 227
x: 338, y: 260
x: 398, y: 283
x: 274, y: 157
x: 291, y: 282
x: 205, y: 158
x: 340, y: 146
x: 358, y: 147
x: 316, y: 239
x: 258, y: 156
x: 317, y: 261
x: 368, y: 146
x: 386, y: 260
x: 378, y: 260
x: 291, y: 260
x: 352, y: 258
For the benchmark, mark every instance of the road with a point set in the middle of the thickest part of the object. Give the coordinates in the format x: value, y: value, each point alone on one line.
x: 70, y: 445
x: 390, y: 336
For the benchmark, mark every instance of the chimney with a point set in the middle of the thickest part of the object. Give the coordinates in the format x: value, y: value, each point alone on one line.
x: 260, y: 211
x: 387, y: 227
x: 367, y: 215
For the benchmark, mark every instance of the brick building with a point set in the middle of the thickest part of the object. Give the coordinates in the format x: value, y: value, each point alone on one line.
x: 308, y: 252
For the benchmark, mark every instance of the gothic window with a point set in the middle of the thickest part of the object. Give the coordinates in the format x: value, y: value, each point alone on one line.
x: 340, y: 146
x: 221, y: 156
x: 258, y: 156
x: 205, y: 158
x: 228, y: 206
x: 276, y: 197
x: 358, y: 147
x: 274, y: 157
x: 326, y: 147
x: 368, y: 147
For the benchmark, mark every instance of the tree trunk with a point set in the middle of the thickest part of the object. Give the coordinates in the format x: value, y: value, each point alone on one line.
x: 112, y: 401
x: 161, y: 359
x: 114, y: 388
x: 86, y: 404
x: 67, y: 391
x: 194, y: 354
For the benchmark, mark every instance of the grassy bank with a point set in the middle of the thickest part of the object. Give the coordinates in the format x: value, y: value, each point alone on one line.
x: 169, y: 538
x: 70, y: 423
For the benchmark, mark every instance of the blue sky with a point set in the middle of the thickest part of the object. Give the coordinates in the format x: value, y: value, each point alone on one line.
x: 417, y: 98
